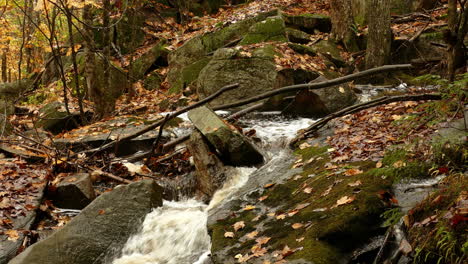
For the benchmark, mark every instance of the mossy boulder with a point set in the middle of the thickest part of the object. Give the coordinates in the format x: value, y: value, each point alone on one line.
x: 303, y: 49
x: 255, y: 74
x: 331, y: 51
x: 155, y: 57
x: 53, y: 117
x: 321, y: 214
x: 297, y: 36
x: 270, y: 29
x: 201, y: 46
x: 152, y: 81
x: 308, y: 22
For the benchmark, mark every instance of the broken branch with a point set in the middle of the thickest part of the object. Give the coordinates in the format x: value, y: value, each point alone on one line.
x: 313, y: 86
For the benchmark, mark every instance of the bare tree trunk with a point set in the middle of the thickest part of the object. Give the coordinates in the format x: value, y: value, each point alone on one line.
x: 108, y: 104
x: 343, y: 23
x: 380, y: 36
x: 455, y: 35
x: 89, y: 69
x: 75, y: 64
x: 4, y: 66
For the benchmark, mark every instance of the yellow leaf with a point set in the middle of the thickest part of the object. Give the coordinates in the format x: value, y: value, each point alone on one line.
x: 12, y: 234
x: 252, y: 235
x: 352, y: 172
x: 297, y: 225
x: 229, y: 234
x: 354, y: 184
x: 249, y: 207
x: 344, y: 200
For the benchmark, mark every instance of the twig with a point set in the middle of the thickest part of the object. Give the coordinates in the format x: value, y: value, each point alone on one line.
x: 358, y: 107
x: 311, y: 86
x: 160, y: 121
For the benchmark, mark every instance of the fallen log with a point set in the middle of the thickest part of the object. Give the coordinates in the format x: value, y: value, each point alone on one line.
x: 162, y: 120
x: 358, y: 107
x: 314, y: 86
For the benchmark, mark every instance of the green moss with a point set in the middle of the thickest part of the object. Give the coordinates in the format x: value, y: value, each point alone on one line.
x: 271, y: 29
x: 432, y: 36
x: 302, y: 49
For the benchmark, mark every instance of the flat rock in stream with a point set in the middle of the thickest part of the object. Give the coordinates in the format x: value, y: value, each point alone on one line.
x: 234, y: 148
x: 99, y: 232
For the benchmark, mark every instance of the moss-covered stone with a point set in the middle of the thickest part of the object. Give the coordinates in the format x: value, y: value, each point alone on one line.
x: 297, y: 36
x: 199, y: 47
x: 152, y: 82
x: 189, y: 74
x: 255, y: 74
x: 331, y: 51
x: 271, y: 29
x: 329, y: 232
x: 141, y: 65
x: 302, y: 49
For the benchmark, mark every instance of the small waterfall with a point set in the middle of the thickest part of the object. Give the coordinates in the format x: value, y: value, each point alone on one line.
x: 176, y: 233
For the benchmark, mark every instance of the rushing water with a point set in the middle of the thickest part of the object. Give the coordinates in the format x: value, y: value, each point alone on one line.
x: 176, y: 233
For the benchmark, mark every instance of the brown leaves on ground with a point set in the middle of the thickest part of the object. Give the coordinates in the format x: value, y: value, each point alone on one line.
x: 344, y: 200
x: 367, y: 134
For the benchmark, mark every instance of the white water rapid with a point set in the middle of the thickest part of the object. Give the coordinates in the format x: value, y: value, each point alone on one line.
x: 176, y: 233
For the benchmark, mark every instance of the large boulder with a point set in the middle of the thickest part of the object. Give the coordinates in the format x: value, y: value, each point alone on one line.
x: 255, y: 74
x: 100, y: 230
x: 233, y: 148
x: 199, y: 47
x: 210, y: 172
x: 321, y: 102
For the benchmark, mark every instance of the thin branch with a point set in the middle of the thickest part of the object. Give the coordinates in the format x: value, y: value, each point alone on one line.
x: 358, y: 107
x: 161, y: 120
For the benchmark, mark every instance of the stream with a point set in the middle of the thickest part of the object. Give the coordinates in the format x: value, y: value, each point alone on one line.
x: 177, y: 232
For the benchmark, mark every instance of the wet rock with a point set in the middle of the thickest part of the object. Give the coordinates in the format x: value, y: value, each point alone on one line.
x: 331, y: 51
x: 75, y: 191
x: 234, y: 149
x: 210, y: 171
x: 321, y: 102
x: 255, y: 74
x: 308, y: 22
x: 199, y: 47
x: 270, y: 29
x: 100, y: 230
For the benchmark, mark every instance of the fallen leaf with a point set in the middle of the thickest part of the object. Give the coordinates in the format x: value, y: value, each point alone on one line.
x: 249, y: 207
x: 308, y: 190
x: 268, y: 185
x: 378, y: 165
x: 399, y: 164
x: 263, y: 198
x: 229, y: 234
x: 301, y: 206
x: 12, y: 234
x: 304, y: 145
x: 352, y: 172
x: 344, y: 200
x: 354, y: 184
x: 300, y: 239
x: 101, y: 212
x: 252, y: 235
x: 281, y: 216
x: 327, y: 191
x: 262, y: 240
x: 297, y: 225
x: 238, y: 225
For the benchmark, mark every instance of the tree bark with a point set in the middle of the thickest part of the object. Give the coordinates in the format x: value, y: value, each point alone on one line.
x: 342, y: 24
x: 380, y: 36
x: 455, y: 35
x: 4, y: 66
